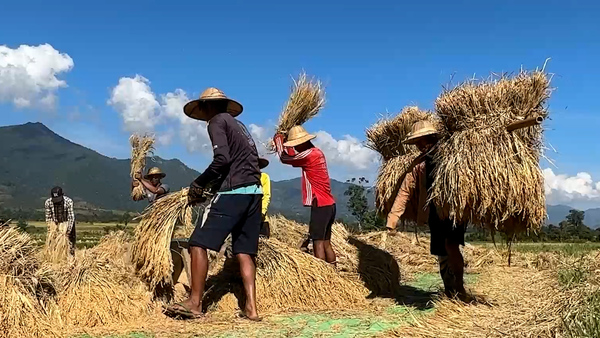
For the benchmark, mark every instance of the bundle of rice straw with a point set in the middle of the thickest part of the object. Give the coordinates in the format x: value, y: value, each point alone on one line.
x: 484, y: 174
x: 386, y: 138
x: 99, y: 287
x: 151, y: 253
x: 286, y: 280
x: 57, y: 246
x: 25, y: 288
x: 140, y: 147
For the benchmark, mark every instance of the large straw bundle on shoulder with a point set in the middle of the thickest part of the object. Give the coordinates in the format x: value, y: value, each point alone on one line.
x: 99, y: 287
x: 25, y: 288
x: 305, y: 101
x: 386, y: 138
x: 141, y: 146
x: 57, y: 245
x: 286, y: 280
x: 485, y: 174
x: 151, y: 253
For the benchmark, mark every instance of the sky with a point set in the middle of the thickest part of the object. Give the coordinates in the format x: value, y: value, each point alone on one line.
x: 94, y: 72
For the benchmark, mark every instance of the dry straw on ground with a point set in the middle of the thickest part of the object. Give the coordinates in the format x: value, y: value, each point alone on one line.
x: 151, y: 253
x: 386, y: 138
x: 141, y: 146
x: 25, y: 288
x: 100, y: 287
x: 485, y: 174
x: 287, y: 280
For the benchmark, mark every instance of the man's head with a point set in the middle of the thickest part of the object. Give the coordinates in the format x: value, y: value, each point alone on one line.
x: 211, y: 103
x: 56, y: 194
x: 423, y: 135
x: 154, y: 175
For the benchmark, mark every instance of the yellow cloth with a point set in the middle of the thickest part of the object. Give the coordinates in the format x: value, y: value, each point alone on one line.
x: 265, y: 181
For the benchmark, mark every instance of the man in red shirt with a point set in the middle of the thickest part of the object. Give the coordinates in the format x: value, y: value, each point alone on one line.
x: 298, y: 151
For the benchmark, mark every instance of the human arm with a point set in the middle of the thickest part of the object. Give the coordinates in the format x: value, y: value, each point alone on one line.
x: 288, y: 155
x: 402, y: 199
x: 48, y: 211
x: 155, y: 190
x: 266, y: 188
x: 70, y: 215
x: 217, y: 131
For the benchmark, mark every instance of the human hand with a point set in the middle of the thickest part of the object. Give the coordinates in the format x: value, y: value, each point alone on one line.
x: 196, y: 194
x: 137, y: 176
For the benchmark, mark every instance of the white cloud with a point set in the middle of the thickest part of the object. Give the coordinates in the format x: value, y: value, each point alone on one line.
x: 134, y: 100
x: 348, y: 152
x: 562, y: 188
x: 28, y: 75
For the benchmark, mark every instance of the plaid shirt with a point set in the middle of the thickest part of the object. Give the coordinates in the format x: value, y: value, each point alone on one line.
x: 51, y: 217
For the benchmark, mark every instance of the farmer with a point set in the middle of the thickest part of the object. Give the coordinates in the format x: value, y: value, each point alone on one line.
x: 412, y: 199
x: 153, y: 187
x: 59, y: 211
x: 298, y: 151
x: 236, y: 207
x: 265, y: 182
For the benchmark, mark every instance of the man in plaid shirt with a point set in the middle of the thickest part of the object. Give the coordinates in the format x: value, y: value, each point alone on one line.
x: 59, y: 209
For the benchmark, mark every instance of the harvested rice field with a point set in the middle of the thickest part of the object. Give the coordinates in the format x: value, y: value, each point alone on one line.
x: 384, y: 286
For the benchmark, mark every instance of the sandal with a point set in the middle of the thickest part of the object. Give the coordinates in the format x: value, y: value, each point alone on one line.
x: 182, y: 311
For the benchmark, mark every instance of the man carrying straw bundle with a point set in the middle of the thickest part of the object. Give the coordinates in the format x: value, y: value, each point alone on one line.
x: 151, y: 182
x: 235, y: 209
x: 298, y: 151
x: 60, y: 217
x: 413, y: 197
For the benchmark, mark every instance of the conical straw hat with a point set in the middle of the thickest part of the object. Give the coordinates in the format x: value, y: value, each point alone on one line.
x: 194, y: 109
x: 155, y: 171
x: 419, y: 130
x: 298, y: 135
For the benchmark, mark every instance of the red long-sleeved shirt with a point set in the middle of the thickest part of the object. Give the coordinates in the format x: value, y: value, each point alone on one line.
x: 316, y: 184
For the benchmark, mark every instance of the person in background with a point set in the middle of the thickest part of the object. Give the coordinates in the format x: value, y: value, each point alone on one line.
x: 412, y: 200
x: 235, y: 209
x: 298, y: 151
x: 59, y: 209
x: 265, y: 182
x: 153, y: 187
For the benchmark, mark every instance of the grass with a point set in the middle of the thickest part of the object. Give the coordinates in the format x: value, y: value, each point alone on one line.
x: 586, y: 321
x: 570, y: 249
x: 88, y: 234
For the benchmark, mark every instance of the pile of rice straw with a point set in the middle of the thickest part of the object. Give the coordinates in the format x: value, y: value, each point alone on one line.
x: 141, y: 146
x: 286, y: 280
x: 25, y: 289
x: 151, y: 254
x: 484, y: 174
x: 57, y: 245
x: 386, y: 138
x: 100, y: 287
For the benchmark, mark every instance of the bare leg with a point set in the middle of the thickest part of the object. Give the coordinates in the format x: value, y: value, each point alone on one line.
x: 329, y: 253
x: 319, y: 249
x: 457, y: 265
x: 199, y: 270
x: 248, y: 272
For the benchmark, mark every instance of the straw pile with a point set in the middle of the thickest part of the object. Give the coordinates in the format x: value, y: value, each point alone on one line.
x: 151, y: 253
x: 99, y: 287
x: 484, y: 174
x: 140, y: 147
x: 57, y: 245
x: 386, y: 138
x: 25, y: 288
x: 286, y: 280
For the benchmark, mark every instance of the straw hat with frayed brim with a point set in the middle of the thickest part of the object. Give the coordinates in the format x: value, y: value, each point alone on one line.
x: 420, y: 130
x: 155, y: 172
x: 298, y: 135
x: 262, y: 162
x: 194, y: 109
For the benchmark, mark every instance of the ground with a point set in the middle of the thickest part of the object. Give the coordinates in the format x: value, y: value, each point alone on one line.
x: 550, y: 290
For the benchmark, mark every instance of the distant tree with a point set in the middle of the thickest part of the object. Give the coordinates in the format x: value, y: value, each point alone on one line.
x: 22, y: 224
x: 359, y: 207
x: 126, y: 218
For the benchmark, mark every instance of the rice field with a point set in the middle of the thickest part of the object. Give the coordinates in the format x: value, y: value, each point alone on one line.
x: 88, y: 234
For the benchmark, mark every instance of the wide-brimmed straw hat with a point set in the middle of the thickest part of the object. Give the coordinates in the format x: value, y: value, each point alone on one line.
x: 298, y: 135
x: 155, y: 172
x: 262, y: 162
x: 194, y: 109
x: 419, y: 130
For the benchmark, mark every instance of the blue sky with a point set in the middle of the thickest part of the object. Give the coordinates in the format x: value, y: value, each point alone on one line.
x: 373, y: 57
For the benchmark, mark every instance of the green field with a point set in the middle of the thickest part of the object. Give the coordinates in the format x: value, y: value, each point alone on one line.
x: 88, y: 234
x: 567, y: 248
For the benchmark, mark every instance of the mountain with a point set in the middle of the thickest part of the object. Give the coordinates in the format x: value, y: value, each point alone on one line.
x: 33, y: 159
x: 558, y: 213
